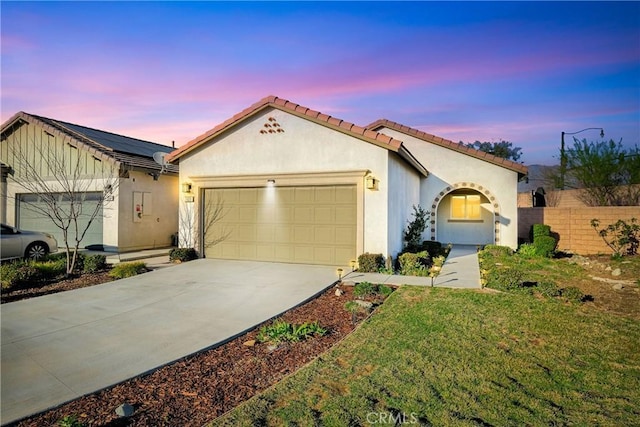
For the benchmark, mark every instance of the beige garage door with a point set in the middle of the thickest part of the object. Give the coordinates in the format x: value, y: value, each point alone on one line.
x: 311, y: 225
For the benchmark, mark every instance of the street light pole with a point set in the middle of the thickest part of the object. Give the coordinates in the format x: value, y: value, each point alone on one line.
x: 563, y: 154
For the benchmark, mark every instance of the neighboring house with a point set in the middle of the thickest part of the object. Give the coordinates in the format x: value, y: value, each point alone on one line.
x: 296, y: 185
x: 141, y: 197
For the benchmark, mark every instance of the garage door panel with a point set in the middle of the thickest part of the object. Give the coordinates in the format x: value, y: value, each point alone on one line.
x: 324, y: 215
x: 288, y: 224
x: 30, y: 217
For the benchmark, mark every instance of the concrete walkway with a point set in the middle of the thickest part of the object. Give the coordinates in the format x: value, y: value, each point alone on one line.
x: 460, y: 270
x: 59, y: 347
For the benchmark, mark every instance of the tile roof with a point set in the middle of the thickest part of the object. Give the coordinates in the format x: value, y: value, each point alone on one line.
x: 130, y: 151
x: 514, y: 166
x: 335, y: 123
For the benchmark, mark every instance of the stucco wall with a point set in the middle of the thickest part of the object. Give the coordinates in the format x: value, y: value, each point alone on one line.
x: 156, y: 226
x: 405, y: 182
x: 447, y: 167
x: 301, y: 147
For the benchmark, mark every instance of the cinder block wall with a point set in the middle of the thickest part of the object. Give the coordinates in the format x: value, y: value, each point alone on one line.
x: 573, y: 225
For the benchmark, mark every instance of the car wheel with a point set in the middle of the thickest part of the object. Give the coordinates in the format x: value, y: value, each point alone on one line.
x: 36, y: 250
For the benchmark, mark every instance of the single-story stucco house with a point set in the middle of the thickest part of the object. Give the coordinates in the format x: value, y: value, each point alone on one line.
x: 140, y: 196
x: 291, y: 184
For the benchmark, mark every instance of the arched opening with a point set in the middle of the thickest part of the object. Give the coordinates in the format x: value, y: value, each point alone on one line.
x: 465, y: 213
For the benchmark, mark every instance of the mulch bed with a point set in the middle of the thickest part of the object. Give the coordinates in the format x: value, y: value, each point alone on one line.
x: 199, y: 388
x: 82, y: 281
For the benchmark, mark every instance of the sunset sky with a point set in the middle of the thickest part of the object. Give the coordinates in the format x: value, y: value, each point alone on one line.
x: 162, y: 71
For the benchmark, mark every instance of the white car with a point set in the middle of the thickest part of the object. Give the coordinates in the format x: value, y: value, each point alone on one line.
x: 25, y: 244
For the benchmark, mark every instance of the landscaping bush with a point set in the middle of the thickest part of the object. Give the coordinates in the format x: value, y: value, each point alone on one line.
x: 280, y: 331
x: 539, y: 230
x: 18, y: 274
x: 364, y: 289
x: 549, y: 289
x: 384, y: 290
x: 128, y: 269
x: 545, y: 246
x: 505, y: 279
x: 497, y: 251
x: 94, y: 263
x: 434, y: 248
x: 414, y: 264
x: 572, y: 294
x: 183, y: 254
x: 528, y: 250
x: 370, y: 263
x: 49, y: 270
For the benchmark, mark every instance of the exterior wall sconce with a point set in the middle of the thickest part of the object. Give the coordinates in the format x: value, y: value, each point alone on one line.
x: 186, y: 187
x: 371, y: 183
x: 271, y: 182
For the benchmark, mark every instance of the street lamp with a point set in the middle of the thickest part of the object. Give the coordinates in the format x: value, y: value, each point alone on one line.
x: 563, y: 155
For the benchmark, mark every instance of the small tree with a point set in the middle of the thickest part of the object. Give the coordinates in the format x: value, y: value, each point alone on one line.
x: 64, y: 177
x: 620, y: 236
x: 413, y: 233
x: 606, y: 172
x: 212, y: 213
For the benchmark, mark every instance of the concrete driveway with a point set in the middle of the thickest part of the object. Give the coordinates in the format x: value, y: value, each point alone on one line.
x: 58, y: 347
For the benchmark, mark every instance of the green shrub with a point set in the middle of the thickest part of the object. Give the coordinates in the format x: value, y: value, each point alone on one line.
x: 545, y: 246
x: 50, y: 269
x: 620, y: 236
x: 497, y: 251
x: 528, y: 250
x: 384, y: 290
x: 70, y: 421
x: 572, y: 294
x: 94, y: 263
x: 364, y: 289
x: 370, y: 263
x: 434, y: 248
x: 18, y: 274
x: 539, y: 230
x: 183, y: 254
x: 505, y: 279
x: 548, y: 289
x: 414, y: 264
x: 127, y: 269
x: 281, y: 331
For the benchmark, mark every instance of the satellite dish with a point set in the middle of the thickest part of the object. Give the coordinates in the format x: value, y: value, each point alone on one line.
x: 159, y: 158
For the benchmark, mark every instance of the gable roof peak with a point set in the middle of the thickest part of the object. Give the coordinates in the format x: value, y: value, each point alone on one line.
x: 456, y: 146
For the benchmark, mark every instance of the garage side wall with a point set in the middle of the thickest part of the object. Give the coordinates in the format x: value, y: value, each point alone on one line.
x: 405, y: 182
x: 278, y: 145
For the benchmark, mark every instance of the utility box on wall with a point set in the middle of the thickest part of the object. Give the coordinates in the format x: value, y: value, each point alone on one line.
x: 142, y: 205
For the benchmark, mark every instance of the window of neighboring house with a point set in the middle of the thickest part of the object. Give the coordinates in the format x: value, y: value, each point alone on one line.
x: 465, y: 207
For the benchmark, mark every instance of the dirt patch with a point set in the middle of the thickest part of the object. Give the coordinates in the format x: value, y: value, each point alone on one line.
x: 608, y: 295
x: 194, y: 391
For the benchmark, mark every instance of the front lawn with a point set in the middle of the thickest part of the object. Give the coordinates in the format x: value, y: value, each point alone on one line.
x: 463, y: 357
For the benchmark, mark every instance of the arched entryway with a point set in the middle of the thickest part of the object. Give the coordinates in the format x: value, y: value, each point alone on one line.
x: 465, y: 213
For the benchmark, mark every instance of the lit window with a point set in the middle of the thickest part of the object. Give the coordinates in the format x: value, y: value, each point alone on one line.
x: 465, y: 207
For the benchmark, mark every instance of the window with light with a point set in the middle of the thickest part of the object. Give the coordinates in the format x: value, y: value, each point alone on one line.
x: 465, y: 207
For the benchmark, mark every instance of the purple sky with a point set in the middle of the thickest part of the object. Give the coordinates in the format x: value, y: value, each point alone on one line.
x: 522, y: 72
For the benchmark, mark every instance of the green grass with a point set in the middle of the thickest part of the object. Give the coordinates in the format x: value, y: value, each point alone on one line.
x: 457, y: 357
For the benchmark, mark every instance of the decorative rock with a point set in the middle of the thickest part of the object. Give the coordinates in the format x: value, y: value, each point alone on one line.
x: 339, y: 292
x: 348, y: 283
x: 125, y: 410
x: 249, y: 343
x: 272, y: 347
x: 616, y: 272
x: 618, y: 287
x: 608, y: 268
